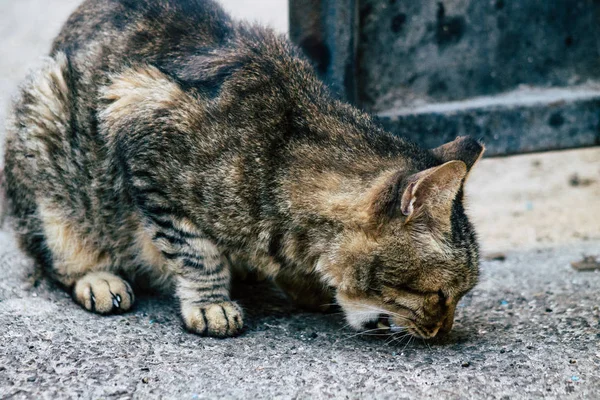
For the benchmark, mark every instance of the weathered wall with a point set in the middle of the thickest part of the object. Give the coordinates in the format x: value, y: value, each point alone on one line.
x: 520, y: 75
x: 431, y: 51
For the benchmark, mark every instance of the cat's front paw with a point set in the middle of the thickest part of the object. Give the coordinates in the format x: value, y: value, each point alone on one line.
x: 103, y: 293
x: 217, y: 319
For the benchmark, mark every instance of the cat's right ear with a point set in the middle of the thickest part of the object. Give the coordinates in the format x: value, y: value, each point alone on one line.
x: 463, y: 148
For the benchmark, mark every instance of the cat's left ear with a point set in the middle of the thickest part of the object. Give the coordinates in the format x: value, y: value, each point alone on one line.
x: 431, y: 191
x: 463, y: 148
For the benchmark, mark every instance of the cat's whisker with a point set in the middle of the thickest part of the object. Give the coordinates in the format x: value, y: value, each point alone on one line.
x: 399, y: 339
x: 394, y: 337
x: 347, y: 325
x: 329, y: 304
x: 370, y: 307
x: 426, y: 343
x: 365, y: 333
x: 379, y: 310
x: 412, y: 337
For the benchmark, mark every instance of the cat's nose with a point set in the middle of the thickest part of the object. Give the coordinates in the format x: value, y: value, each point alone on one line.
x: 447, y: 325
x: 431, y: 331
x: 448, y: 321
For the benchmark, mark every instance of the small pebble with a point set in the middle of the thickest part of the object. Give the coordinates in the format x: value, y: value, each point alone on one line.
x: 144, y: 380
x: 465, y: 364
x: 575, y: 180
x: 588, y: 263
x: 549, y: 310
x: 570, y: 388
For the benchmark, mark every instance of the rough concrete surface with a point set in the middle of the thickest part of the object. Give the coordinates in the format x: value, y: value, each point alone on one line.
x: 531, y: 328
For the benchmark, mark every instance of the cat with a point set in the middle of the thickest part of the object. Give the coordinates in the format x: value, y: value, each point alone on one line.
x: 164, y: 144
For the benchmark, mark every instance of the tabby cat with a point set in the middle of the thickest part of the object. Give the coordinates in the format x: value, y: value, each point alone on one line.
x: 163, y: 144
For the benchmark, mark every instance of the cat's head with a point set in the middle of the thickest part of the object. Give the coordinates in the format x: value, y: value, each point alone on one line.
x: 414, y: 257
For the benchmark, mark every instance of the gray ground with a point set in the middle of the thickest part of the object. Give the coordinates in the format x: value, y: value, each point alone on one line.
x: 531, y: 329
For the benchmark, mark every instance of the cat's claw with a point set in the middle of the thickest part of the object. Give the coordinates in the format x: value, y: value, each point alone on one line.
x: 223, y: 319
x: 103, y: 293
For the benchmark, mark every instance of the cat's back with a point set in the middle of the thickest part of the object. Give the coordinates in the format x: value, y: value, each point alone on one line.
x: 54, y: 147
x: 149, y: 31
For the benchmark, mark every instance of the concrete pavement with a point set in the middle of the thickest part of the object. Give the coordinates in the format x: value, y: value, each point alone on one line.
x: 531, y: 329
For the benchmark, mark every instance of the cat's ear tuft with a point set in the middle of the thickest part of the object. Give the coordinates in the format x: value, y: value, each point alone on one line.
x: 463, y: 148
x: 432, y: 192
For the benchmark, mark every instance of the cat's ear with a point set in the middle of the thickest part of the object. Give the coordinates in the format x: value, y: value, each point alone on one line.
x: 463, y: 148
x: 432, y: 192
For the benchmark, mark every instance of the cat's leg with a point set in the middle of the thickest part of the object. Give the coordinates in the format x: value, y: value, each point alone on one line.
x: 80, y: 265
x: 243, y: 271
x: 305, y: 290
x: 202, y: 274
x: 145, y: 117
x: 47, y: 191
x: 203, y: 278
x: 203, y: 290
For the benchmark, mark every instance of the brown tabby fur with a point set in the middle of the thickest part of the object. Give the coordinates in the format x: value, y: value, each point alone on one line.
x: 164, y: 144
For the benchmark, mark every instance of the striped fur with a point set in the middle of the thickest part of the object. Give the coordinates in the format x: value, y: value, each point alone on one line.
x: 164, y: 145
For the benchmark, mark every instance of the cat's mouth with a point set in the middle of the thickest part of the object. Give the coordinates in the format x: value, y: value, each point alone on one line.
x: 385, y: 325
